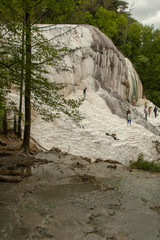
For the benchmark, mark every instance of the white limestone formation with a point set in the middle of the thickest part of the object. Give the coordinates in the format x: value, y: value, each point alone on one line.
x: 93, y: 62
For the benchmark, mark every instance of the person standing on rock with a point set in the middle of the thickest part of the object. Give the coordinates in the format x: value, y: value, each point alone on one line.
x: 145, y: 114
x: 128, y: 116
x: 149, y: 111
x: 84, y: 92
x: 145, y: 105
x: 145, y: 111
x: 155, y: 111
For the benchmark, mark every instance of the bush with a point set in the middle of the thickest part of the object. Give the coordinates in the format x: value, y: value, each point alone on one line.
x: 144, y: 165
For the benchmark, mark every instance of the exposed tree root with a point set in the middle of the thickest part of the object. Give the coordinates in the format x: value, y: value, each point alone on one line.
x: 22, y: 151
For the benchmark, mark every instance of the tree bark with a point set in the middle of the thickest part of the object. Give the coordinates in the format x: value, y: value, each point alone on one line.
x: 15, y: 124
x: 27, y: 128
x: 19, y: 134
x: 5, y: 130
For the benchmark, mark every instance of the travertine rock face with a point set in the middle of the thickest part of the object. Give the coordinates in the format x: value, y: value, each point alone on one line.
x: 93, y: 62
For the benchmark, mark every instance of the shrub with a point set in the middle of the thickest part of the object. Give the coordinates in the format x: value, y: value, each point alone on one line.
x: 144, y: 165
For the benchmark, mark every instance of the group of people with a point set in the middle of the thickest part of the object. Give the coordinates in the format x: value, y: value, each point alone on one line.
x: 147, y: 111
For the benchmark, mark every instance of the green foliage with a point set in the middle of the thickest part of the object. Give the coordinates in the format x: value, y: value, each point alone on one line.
x: 106, y: 21
x: 133, y: 39
x: 153, y: 95
x: 84, y: 18
x: 144, y: 165
x: 142, y: 47
x: 122, y: 22
x: 58, y: 11
x: 126, y: 49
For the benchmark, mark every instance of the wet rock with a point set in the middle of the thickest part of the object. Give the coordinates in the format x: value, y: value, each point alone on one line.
x: 156, y: 208
x: 106, y: 188
x: 61, y: 208
x: 112, y: 166
x: 122, y: 236
x: 112, y: 213
x: 76, y: 165
x: 87, y: 159
x: 93, y: 236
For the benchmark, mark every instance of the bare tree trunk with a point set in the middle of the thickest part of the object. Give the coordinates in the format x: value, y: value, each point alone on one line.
x: 5, y: 130
x: 15, y: 123
x: 19, y: 134
x: 27, y: 129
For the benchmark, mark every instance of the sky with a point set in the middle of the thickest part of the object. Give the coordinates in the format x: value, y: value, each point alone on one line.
x: 146, y: 11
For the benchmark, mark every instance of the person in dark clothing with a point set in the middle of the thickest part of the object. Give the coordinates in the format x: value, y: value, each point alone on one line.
x: 155, y: 111
x: 84, y: 92
x: 112, y: 135
x: 128, y: 116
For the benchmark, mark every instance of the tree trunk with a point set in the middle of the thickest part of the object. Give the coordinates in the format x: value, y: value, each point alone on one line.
x: 5, y: 123
x: 19, y: 134
x: 15, y: 124
x: 27, y: 129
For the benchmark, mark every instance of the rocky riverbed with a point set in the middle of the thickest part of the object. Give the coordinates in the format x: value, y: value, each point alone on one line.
x: 65, y: 197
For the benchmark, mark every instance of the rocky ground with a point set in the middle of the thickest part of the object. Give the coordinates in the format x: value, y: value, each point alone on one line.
x: 59, y: 196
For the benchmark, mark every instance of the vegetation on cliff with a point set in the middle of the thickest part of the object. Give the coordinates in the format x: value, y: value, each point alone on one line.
x: 142, y: 164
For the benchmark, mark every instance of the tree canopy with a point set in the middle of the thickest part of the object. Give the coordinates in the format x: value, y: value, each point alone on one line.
x: 25, y: 52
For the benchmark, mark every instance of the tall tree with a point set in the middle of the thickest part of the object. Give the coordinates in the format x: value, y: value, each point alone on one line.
x: 26, y: 139
x: 37, y: 88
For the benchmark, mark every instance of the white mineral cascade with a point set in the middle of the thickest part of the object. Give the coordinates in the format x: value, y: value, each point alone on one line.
x: 110, y: 79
